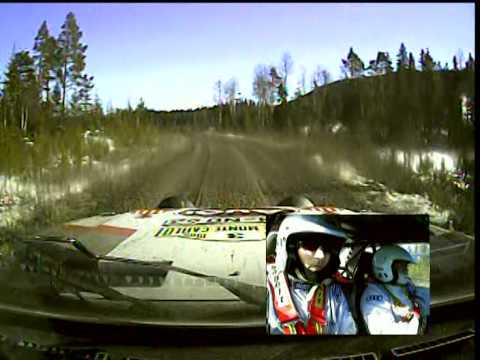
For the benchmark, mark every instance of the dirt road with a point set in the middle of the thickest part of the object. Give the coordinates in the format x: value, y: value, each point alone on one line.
x: 223, y: 170
x: 228, y: 170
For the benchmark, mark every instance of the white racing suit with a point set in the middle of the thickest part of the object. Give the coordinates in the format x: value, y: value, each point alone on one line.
x: 297, y: 307
x: 394, y: 309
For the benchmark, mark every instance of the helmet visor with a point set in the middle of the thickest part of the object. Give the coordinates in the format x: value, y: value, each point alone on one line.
x: 311, y: 241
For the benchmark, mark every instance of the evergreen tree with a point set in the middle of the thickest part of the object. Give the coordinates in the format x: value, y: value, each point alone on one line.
x: 428, y: 61
x: 402, y: 58
x: 382, y: 64
x: 285, y: 69
x: 353, y: 65
x: 140, y: 111
x: 455, y: 63
x: 71, y: 56
x: 411, y: 62
x: 97, y: 106
x: 422, y: 60
x: 97, y: 112
x: 45, y: 48
x: 276, y: 83
x: 141, y: 106
x: 470, y: 64
x: 85, y: 86
x: 21, y: 90
x: 57, y: 97
x: 282, y: 93
x: 385, y: 63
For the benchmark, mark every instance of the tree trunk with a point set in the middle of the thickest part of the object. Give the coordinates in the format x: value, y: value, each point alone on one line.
x: 26, y: 120
x: 4, y: 114
x: 64, y: 86
x: 47, y: 93
x: 220, y: 116
x: 22, y: 119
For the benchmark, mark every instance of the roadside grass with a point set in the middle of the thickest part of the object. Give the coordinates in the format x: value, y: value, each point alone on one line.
x: 63, y: 176
x: 439, y: 189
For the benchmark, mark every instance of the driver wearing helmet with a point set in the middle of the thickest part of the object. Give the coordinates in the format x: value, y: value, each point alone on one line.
x: 392, y: 305
x: 303, y: 297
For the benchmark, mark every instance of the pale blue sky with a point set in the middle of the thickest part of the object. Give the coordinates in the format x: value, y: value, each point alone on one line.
x: 171, y: 54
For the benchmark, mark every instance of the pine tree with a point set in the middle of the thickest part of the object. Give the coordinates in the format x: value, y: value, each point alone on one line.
x: 97, y: 106
x: 422, y: 60
x: 282, y: 93
x: 353, y: 65
x: 21, y: 90
x: 97, y: 112
x: 411, y: 62
x: 45, y: 48
x: 140, y: 111
x: 387, y: 63
x: 71, y: 54
x: 85, y: 86
x: 428, y: 62
x: 402, y: 58
x: 455, y: 63
x: 276, y: 83
x: 57, y: 97
x: 470, y: 64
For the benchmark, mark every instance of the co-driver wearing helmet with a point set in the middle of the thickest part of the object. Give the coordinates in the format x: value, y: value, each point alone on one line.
x: 303, y: 296
x: 391, y: 304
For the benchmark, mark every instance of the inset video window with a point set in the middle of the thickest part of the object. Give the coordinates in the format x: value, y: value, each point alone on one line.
x: 339, y: 274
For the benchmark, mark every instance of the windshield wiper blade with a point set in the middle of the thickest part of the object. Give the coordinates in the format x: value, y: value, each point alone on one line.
x: 73, y: 280
x: 251, y: 294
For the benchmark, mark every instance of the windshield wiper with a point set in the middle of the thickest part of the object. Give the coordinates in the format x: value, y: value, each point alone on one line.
x: 251, y: 294
x: 73, y: 281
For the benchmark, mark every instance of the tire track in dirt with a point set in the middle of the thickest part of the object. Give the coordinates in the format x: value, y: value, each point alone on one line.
x: 182, y: 173
x: 284, y: 170
x: 200, y: 186
x: 229, y: 179
x: 241, y: 171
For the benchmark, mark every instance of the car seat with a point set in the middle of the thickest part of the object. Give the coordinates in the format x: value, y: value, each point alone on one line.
x: 360, y: 280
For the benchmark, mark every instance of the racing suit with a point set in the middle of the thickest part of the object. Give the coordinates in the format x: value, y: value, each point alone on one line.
x: 395, y: 309
x: 298, y: 307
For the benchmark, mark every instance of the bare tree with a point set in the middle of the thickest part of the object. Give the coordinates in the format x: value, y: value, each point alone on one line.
x: 218, y: 92
x: 460, y: 59
x: 285, y: 68
x: 218, y: 99
x: 326, y: 77
x: 230, y: 90
x: 263, y: 89
x: 320, y: 77
x: 317, y: 77
x: 302, y: 81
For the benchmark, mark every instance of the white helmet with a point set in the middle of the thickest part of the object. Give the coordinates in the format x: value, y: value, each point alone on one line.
x: 383, y: 260
x: 294, y: 225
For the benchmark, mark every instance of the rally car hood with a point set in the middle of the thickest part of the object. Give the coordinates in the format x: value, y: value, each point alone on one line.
x: 230, y: 243
x: 227, y: 246
x: 222, y: 243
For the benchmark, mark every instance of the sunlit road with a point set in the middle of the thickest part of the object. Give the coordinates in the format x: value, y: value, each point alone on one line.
x: 218, y: 170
